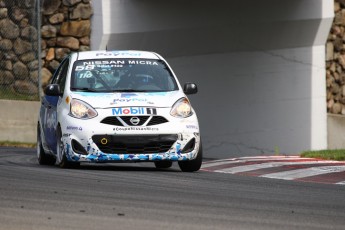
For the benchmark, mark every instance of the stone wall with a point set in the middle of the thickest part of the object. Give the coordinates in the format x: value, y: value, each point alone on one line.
x: 18, y: 46
x: 335, y: 61
x: 66, y: 27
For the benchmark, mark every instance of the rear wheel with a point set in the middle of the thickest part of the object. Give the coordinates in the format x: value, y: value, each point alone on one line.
x: 42, y: 157
x: 61, y: 159
x: 163, y: 164
x: 192, y: 165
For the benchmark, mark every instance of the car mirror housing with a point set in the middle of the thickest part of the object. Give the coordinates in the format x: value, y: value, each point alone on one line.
x: 190, y: 88
x: 53, y: 90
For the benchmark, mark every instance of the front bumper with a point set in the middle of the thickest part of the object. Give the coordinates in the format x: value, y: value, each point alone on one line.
x: 92, y: 141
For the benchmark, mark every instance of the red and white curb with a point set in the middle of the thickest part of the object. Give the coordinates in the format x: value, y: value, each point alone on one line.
x: 281, y: 167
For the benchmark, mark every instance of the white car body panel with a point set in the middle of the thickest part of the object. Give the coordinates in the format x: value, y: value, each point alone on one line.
x: 139, y: 105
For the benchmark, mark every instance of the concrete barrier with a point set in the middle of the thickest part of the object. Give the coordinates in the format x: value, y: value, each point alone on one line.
x: 335, y: 129
x: 259, y: 65
x: 18, y: 120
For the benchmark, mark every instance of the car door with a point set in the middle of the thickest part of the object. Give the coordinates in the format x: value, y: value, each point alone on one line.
x: 50, y: 104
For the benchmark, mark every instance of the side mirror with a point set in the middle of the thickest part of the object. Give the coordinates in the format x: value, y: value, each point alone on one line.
x: 190, y: 88
x: 53, y: 90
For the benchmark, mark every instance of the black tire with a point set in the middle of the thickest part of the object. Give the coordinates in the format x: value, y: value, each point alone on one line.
x: 60, y: 152
x: 42, y: 157
x: 163, y: 164
x: 192, y: 165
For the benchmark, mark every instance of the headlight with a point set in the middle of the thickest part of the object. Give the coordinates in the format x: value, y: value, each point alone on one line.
x: 81, y: 110
x: 181, y: 108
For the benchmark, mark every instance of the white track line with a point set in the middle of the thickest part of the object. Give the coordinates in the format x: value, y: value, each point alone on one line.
x: 300, y: 173
x: 341, y: 182
x: 246, y: 168
x: 218, y: 163
x: 249, y: 159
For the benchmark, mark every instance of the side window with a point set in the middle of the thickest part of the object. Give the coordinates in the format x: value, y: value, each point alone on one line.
x: 56, y: 74
x: 61, y: 80
x: 61, y: 74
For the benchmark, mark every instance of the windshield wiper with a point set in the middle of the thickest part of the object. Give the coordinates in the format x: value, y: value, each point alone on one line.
x: 84, y: 89
x: 108, y: 91
x: 130, y: 90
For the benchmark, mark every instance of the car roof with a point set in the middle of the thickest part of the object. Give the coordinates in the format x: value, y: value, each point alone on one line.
x: 104, y: 54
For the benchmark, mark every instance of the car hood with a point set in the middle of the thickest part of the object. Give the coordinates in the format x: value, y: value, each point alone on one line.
x: 109, y: 100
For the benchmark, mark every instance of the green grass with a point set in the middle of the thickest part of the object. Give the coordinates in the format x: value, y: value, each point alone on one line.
x: 17, y: 144
x: 335, y: 154
x: 8, y: 94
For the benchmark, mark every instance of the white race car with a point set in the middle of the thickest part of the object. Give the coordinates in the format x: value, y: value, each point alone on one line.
x: 118, y: 106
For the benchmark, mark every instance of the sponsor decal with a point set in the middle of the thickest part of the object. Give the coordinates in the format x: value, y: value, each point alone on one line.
x: 124, y: 53
x: 86, y: 75
x: 74, y: 128
x: 117, y: 53
x: 108, y: 64
x: 134, y: 111
x: 136, y: 129
x: 105, y: 62
x: 142, y: 62
x: 151, y: 111
x: 92, y: 67
x: 192, y: 127
x: 119, y: 100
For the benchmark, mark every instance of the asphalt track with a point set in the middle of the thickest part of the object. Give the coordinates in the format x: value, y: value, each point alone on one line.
x: 138, y: 196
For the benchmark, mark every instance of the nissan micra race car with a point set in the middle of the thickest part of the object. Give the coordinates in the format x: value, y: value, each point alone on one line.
x: 118, y: 106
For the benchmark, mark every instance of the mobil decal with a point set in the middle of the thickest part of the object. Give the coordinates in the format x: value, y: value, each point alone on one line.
x: 134, y: 111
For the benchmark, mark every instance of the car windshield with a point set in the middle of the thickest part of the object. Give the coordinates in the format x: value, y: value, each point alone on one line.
x: 122, y: 75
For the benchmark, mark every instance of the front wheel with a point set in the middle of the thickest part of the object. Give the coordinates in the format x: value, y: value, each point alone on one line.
x: 42, y: 157
x: 61, y: 159
x: 192, y: 165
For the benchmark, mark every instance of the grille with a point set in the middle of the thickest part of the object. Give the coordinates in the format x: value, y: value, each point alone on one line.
x: 154, y: 120
x: 127, y: 119
x: 133, y: 144
x: 111, y: 121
